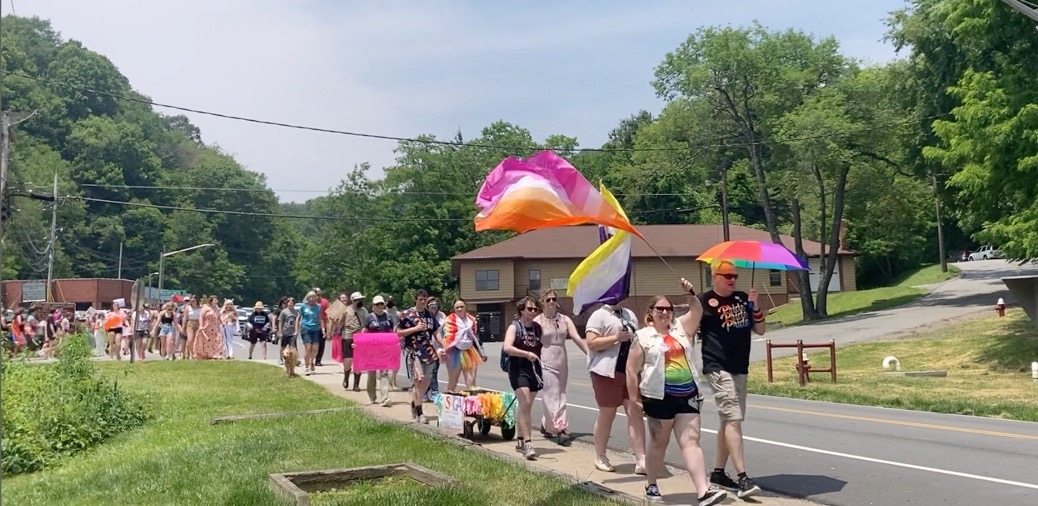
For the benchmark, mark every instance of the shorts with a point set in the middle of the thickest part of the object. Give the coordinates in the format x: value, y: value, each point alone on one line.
x: 610, y: 392
x: 142, y: 334
x: 347, y: 347
x: 288, y: 341
x: 669, y: 406
x: 165, y: 329
x: 257, y: 337
x: 310, y: 337
x: 729, y: 395
x: 420, y: 370
x: 523, y: 373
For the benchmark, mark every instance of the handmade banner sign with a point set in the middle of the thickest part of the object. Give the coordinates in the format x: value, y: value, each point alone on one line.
x: 376, y: 351
x: 450, y: 412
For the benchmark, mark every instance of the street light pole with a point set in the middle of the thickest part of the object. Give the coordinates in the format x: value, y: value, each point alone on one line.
x: 162, y: 261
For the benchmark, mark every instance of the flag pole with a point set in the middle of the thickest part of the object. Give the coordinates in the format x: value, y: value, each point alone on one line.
x: 658, y: 255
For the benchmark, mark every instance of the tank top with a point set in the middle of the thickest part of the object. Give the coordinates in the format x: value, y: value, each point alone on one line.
x: 529, y: 339
x: 166, y: 320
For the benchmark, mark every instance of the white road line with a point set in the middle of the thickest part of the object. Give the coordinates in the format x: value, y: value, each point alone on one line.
x: 857, y: 457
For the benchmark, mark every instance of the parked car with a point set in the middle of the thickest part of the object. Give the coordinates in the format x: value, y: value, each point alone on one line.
x: 243, y: 317
x: 987, y: 252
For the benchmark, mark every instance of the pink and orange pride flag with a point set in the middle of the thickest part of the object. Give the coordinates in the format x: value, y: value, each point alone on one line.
x: 542, y: 191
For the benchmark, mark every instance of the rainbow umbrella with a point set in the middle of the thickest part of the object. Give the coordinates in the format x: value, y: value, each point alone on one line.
x: 754, y: 255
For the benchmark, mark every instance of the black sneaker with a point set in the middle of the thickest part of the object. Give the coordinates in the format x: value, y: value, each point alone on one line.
x: 747, y: 488
x: 713, y: 495
x: 652, y: 494
x: 721, y: 479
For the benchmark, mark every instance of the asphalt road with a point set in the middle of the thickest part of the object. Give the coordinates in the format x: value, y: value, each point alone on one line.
x: 858, y: 455
x: 843, y: 454
x: 975, y: 290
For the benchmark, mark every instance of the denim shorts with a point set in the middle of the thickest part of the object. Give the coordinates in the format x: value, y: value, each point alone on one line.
x: 310, y: 336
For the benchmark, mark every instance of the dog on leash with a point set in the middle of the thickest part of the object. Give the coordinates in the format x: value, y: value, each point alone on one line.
x: 289, y: 356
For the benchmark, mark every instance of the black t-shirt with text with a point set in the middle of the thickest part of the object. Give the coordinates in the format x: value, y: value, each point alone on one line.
x: 725, y: 330
x: 259, y: 321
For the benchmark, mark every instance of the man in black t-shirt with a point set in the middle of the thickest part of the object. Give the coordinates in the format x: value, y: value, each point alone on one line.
x: 728, y: 318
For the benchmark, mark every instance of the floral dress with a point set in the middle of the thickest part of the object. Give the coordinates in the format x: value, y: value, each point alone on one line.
x: 208, y: 339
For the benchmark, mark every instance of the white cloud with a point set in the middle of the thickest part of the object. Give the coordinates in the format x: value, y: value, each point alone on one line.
x: 407, y: 68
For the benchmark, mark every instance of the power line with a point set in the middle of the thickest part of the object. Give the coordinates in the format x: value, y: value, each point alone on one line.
x: 387, y: 192
x: 701, y: 144
x: 320, y: 129
x: 265, y: 215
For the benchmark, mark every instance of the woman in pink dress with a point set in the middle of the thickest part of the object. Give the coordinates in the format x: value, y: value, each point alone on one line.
x: 555, y: 363
x: 209, y: 339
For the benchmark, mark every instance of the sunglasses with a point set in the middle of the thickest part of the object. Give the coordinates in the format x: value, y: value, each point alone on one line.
x: 531, y: 309
x: 664, y: 309
x: 551, y: 299
x: 729, y: 276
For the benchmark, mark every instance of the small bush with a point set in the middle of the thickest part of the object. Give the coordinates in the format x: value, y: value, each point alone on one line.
x: 52, y: 411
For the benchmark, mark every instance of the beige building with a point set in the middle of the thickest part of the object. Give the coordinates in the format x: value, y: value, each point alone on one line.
x: 494, y: 277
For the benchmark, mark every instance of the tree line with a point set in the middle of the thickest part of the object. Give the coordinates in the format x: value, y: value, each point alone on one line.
x: 804, y: 136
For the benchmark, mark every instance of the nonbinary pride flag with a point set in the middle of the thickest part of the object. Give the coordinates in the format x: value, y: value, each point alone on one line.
x: 605, y: 275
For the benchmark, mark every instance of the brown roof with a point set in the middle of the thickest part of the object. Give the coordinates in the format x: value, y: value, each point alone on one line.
x: 669, y: 240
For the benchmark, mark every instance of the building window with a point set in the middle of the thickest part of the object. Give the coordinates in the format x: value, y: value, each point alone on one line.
x: 708, y: 277
x: 775, y: 278
x: 535, y: 279
x: 486, y: 281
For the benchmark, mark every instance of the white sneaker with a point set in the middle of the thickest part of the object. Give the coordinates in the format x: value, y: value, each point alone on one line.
x: 386, y: 403
x: 529, y: 452
x: 602, y: 464
x: 639, y: 468
x: 422, y: 419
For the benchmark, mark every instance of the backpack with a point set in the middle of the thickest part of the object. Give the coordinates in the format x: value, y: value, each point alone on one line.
x: 506, y: 358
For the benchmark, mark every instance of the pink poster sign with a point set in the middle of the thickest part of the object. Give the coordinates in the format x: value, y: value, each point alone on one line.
x: 376, y: 351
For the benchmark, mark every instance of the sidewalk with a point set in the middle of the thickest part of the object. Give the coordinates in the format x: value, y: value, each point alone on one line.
x: 575, y: 463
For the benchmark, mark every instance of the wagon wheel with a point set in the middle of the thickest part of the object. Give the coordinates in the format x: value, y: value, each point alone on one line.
x: 507, y: 432
x: 484, y: 427
x: 467, y: 431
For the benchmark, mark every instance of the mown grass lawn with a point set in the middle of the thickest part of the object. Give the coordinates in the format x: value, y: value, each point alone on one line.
x: 180, y: 458
x: 848, y: 303
x: 988, y: 362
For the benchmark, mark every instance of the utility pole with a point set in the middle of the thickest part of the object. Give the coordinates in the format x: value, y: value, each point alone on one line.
x: 5, y: 151
x: 53, y: 238
x: 940, y: 228
x: 120, y: 274
x: 724, y: 201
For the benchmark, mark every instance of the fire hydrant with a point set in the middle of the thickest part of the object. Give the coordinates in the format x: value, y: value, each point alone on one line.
x: 1000, y: 306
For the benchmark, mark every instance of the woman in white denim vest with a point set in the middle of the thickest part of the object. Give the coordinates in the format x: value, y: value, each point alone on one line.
x: 663, y: 381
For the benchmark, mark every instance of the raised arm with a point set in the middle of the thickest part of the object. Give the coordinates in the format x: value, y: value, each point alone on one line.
x: 690, y: 320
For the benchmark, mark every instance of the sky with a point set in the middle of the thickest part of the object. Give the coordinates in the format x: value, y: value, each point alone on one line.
x: 411, y: 68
